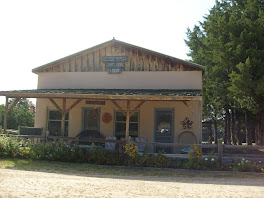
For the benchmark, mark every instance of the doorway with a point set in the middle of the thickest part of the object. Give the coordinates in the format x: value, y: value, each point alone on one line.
x: 163, y: 129
x: 91, y: 119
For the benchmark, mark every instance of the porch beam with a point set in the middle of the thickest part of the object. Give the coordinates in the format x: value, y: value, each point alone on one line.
x: 55, y: 104
x: 184, y: 102
x: 7, y: 110
x: 136, y: 108
x: 120, y: 109
x: 127, y: 121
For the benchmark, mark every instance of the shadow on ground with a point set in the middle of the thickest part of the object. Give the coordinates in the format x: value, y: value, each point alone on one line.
x: 143, y: 174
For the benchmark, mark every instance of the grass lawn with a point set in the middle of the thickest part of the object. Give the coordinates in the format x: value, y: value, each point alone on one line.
x: 86, y: 169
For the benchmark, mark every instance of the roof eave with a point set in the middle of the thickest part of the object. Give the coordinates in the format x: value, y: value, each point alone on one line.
x: 35, y: 70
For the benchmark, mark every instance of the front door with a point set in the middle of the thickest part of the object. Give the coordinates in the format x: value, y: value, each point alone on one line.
x: 91, y: 120
x: 163, y: 129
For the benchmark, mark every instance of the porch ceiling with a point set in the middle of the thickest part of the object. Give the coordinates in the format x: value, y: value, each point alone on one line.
x: 108, y: 94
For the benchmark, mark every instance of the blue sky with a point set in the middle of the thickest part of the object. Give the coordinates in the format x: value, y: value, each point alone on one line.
x: 34, y: 33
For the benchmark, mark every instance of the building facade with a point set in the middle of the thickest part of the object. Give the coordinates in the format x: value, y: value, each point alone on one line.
x: 121, y: 90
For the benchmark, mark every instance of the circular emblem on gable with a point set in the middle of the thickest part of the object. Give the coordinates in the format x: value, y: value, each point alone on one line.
x: 107, y: 117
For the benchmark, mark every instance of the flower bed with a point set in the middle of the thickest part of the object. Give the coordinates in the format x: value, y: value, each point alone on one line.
x: 129, y: 156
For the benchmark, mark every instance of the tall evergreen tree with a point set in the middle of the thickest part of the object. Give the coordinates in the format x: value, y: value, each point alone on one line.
x: 230, y: 43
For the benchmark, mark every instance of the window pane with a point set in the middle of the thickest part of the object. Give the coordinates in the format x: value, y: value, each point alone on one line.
x: 67, y: 116
x: 55, y: 128
x: 66, y: 128
x: 120, y: 129
x: 134, y: 117
x: 56, y: 115
x: 164, y: 121
x: 133, y: 129
x: 120, y: 116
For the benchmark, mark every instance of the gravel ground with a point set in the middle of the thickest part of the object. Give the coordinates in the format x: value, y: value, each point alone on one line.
x: 18, y: 183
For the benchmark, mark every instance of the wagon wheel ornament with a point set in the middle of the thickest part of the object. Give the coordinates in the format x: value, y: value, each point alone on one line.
x: 107, y: 117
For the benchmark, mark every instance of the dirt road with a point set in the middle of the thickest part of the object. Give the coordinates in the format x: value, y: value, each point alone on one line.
x: 18, y: 183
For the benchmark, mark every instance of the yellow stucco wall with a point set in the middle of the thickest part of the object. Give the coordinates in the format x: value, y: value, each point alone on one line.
x: 146, y: 115
x: 124, y: 80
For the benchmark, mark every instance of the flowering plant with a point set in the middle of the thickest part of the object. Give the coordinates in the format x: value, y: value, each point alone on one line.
x: 195, y: 158
x: 131, y: 150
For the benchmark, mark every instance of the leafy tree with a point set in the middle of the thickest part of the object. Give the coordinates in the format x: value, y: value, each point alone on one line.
x: 20, y: 115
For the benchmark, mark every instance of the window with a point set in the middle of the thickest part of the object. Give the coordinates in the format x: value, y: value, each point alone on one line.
x: 54, y: 123
x: 120, y: 125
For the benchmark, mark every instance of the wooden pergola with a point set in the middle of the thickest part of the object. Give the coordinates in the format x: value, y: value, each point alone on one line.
x: 141, y: 96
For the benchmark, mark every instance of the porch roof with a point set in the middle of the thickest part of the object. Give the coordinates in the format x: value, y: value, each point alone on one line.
x: 107, y: 94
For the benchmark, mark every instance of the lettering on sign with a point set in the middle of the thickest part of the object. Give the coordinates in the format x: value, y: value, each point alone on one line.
x: 120, y: 59
x: 95, y: 102
x: 115, y: 64
x: 114, y: 70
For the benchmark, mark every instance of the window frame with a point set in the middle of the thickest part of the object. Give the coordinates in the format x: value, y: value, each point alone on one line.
x: 115, y: 121
x: 48, y: 120
x: 99, y: 117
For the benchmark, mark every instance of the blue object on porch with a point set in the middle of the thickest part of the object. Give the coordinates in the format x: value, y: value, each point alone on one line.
x: 186, y: 150
x: 141, y: 147
x: 110, y: 146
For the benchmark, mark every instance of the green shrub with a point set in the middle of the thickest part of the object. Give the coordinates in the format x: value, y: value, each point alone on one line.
x: 161, y: 161
x: 243, y: 166
x: 210, y: 163
x: 13, y: 147
x: 195, y: 160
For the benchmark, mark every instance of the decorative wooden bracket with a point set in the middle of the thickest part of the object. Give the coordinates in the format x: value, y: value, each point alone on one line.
x: 117, y: 105
x: 184, y: 102
x: 7, y: 110
x: 73, y: 105
x: 136, y: 108
x: 13, y: 104
x: 133, y: 111
x: 55, y: 104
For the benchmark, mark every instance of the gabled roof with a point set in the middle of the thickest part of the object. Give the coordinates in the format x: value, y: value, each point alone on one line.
x: 114, y: 41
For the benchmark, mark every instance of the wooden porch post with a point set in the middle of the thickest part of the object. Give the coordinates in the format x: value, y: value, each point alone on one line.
x: 200, y: 119
x: 63, y: 113
x: 5, y: 115
x: 127, y: 121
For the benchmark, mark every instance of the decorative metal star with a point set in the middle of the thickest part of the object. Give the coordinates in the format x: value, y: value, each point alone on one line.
x: 186, y: 124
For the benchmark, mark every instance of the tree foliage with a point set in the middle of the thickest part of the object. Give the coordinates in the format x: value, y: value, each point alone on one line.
x: 19, y: 116
x: 230, y: 43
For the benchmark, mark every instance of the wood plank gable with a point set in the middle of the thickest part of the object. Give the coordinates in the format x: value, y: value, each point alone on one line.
x: 139, y: 59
